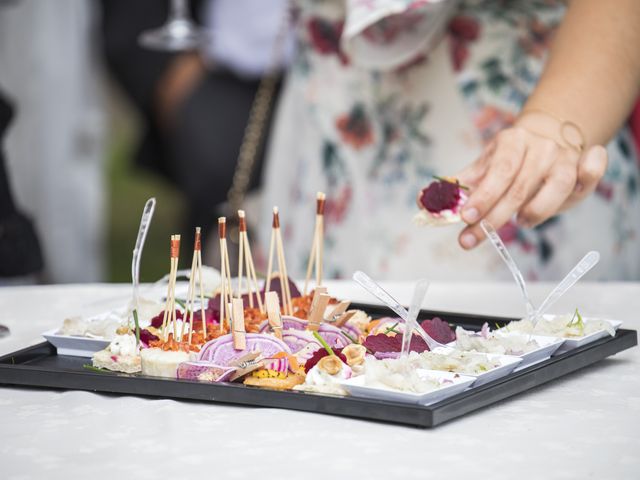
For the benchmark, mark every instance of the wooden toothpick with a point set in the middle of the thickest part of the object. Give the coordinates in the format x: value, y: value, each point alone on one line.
x: 253, y: 287
x: 226, y: 293
x: 202, y: 315
x: 196, y: 269
x: 317, y: 245
x: 169, y: 316
x: 277, y: 247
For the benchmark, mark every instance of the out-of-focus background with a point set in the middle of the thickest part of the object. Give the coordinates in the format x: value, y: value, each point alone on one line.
x: 106, y: 103
x: 99, y: 124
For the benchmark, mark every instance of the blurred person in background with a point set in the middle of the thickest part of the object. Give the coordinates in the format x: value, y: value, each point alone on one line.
x: 195, y: 105
x: 382, y: 94
x: 55, y: 146
x: 20, y: 253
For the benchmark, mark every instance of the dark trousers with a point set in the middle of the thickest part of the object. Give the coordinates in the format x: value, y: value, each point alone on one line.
x: 205, y: 143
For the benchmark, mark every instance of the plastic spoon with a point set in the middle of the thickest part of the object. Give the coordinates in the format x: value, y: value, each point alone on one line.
x: 587, y: 263
x: 145, y: 221
x: 377, y: 291
x: 501, y: 248
x: 419, y: 292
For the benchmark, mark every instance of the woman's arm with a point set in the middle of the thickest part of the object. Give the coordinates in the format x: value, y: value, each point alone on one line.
x: 592, y: 79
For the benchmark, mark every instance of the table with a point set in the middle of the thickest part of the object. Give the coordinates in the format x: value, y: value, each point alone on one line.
x: 583, y: 426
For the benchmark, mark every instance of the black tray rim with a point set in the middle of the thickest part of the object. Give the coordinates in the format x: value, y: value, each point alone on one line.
x: 20, y: 374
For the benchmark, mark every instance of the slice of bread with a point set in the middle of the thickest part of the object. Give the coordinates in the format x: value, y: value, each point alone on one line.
x: 117, y: 363
x: 288, y: 383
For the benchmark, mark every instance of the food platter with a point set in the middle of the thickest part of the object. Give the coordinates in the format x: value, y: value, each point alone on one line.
x: 270, y: 344
x: 41, y: 366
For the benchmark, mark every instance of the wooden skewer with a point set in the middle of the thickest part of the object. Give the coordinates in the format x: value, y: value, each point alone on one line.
x: 320, y: 260
x: 202, y: 316
x: 196, y: 267
x: 226, y: 293
x: 272, y: 243
x: 284, y: 282
x: 166, y: 303
x: 277, y: 248
x: 175, y: 252
x: 188, y: 318
x: 167, y: 317
x: 315, y: 255
x: 222, y: 233
x: 241, y: 230
x: 284, y: 276
x: 252, y: 278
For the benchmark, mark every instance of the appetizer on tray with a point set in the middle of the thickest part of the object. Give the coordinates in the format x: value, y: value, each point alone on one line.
x: 273, y: 335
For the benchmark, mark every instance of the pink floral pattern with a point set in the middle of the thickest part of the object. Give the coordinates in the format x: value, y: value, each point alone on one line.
x: 356, y: 121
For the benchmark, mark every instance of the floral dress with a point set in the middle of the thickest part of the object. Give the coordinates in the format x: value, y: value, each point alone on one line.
x: 383, y: 94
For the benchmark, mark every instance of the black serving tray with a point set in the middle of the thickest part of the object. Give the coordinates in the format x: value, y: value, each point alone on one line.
x: 40, y: 366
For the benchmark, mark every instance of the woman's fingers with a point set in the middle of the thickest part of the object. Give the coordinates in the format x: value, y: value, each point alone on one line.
x: 538, y: 160
x: 473, y: 173
x: 591, y: 169
x: 503, y: 166
x: 557, y: 188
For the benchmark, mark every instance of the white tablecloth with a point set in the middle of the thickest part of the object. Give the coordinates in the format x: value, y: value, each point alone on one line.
x: 585, y: 425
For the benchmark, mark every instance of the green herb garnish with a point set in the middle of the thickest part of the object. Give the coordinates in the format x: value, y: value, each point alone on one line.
x: 323, y: 343
x: 181, y: 303
x: 137, y: 324
x: 353, y: 340
x: 392, y: 329
x: 442, y: 179
x: 577, y: 321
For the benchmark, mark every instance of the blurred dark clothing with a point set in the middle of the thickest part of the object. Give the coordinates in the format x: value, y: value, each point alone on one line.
x: 199, y: 153
x: 20, y: 252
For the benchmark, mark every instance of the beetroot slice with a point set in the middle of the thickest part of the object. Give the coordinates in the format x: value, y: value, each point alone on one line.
x: 276, y: 286
x: 382, y: 343
x: 440, y: 195
x: 439, y: 330
x: 156, y: 322
x: 319, y: 355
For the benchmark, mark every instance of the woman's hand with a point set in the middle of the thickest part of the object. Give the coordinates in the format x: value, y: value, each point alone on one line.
x: 529, y: 175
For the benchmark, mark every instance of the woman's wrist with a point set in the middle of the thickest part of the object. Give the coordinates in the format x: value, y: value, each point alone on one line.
x: 565, y: 132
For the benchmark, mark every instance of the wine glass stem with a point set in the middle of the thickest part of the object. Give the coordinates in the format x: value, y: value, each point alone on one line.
x: 178, y: 9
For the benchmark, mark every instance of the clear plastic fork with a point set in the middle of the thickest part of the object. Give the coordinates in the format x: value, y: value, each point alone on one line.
x: 381, y: 294
x: 419, y: 292
x: 589, y: 261
x: 501, y: 248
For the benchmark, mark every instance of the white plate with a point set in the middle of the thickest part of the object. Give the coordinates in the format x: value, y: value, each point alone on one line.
x: 75, y: 346
x: 355, y: 386
x: 548, y: 345
x: 508, y: 364
x: 575, y: 342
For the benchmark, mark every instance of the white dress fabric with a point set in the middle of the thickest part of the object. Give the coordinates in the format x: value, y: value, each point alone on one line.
x: 383, y: 94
